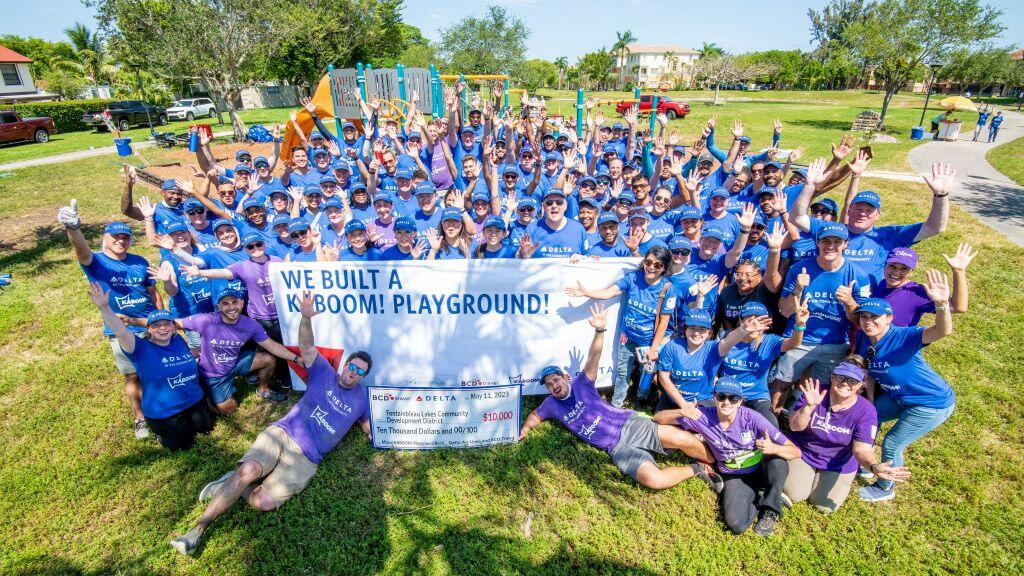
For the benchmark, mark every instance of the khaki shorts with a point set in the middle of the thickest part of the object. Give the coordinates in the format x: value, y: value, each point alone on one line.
x: 121, y: 361
x: 286, y: 470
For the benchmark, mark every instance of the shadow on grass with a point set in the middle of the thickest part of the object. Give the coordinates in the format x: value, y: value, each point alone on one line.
x: 42, y: 240
x: 823, y: 124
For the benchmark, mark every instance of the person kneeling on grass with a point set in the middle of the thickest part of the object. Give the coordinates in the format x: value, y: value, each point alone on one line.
x: 740, y: 439
x: 628, y: 437
x: 172, y: 399
x: 286, y: 454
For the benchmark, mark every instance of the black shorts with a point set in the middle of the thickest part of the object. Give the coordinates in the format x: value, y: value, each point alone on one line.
x: 178, y: 432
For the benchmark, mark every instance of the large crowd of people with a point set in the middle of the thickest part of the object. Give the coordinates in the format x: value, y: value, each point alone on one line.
x: 770, y: 329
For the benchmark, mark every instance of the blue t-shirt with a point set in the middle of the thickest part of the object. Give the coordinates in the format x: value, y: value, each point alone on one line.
x: 347, y: 255
x: 617, y: 250
x: 645, y: 246
x: 194, y: 293
x: 222, y: 258
x: 727, y: 223
x: 205, y: 238
x: 295, y: 254
x: 365, y: 214
x: 639, y: 306
x: 692, y: 374
x: 506, y: 250
x: 128, y: 281
x: 169, y: 376
x: 750, y: 365
x: 869, y: 250
x: 663, y: 225
x: 828, y: 323
x: 899, y: 368
x: 424, y: 222
x: 393, y: 253
x: 571, y: 239
x: 164, y: 216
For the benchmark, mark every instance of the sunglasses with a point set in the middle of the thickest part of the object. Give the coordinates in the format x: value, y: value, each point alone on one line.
x: 245, y: 158
x: 353, y: 368
x: 845, y: 381
x: 820, y: 211
x: 625, y: 202
x: 300, y: 234
x: 511, y: 176
x: 254, y: 246
x: 589, y: 186
x: 730, y: 398
x: 681, y: 252
x: 663, y: 199
x: 654, y: 264
x: 557, y: 202
x: 196, y: 212
x: 526, y: 209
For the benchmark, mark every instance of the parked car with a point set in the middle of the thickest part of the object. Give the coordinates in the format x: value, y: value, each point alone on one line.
x: 666, y: 106
x: 14, y: 128
x: 126, y: 113
x: 192, y: 108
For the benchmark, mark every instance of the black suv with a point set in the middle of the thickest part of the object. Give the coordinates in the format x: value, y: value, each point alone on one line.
x: 126, y: 113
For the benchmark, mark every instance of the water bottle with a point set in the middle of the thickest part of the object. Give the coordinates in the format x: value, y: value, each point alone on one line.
x: 193, y: 141
x: 644, y: 388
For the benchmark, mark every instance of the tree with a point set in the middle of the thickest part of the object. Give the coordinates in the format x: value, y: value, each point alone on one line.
x: 711, y: 50
x: 621, y: 49
x: 562, y: 65
x: 63, y: 83
x: 594, y: 69
x: 485, y: 45
x: 987, y: 67
x: 222, y: 43
x: 46, y: 56
x: 833, y: 48
x: 898, y: 37
x: 89, y: 51
x: 538, y: 73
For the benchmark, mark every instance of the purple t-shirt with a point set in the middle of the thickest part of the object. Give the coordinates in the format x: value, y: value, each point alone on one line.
x: 320, y: 419
x: 827, y: 442
x: 256, y: 277
x: 586, y: 414
x: 909, y: 302
x: 734, y: 448
x: 387, y: 234
x: 218, y: 351
x: 439, y: 174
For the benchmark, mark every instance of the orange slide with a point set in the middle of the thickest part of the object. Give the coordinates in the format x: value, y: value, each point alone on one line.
x: 324, y: 109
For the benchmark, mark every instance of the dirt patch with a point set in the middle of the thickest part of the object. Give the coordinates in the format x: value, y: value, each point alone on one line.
x: 177, y: 166
x: 25, y: 231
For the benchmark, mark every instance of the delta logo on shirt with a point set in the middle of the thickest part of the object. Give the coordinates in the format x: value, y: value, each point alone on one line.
x: 180, y: 380
x: 125, y: 281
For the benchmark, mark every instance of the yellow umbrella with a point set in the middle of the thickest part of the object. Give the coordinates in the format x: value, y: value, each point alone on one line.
x: 958, y: 103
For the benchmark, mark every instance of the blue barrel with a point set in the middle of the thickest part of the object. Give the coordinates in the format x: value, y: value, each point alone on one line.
x: 124, y: 146
x: 917, y: 132
x: 193, y: 141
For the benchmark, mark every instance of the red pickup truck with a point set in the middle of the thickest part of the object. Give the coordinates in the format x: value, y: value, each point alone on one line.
x: 14, y: 128
x: 666, y: 106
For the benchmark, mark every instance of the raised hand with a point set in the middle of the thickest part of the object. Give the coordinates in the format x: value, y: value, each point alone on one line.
x: 417, y: 249
x: 803, y: 279
x: 843, y: 149
x: 753, y: 324
x: 674, y: 138
x: 859, y: 163
x: 811, y: 389
x: 706, y: 285
x: 68, y: 215
x: 962, y: 259
x: 634, y: 239
x: 276, y: 132
x: 130, y: 175
x: 816, y: 172
x: 942, y: 179
x: 712, y: 121
x: 796, y: 154
x: 937, y: 286
x: 776, y: 237
x: 526, y: 246
x: 307, y: 306
x: 99, y: 297
x: 309, y: 105
x: 844, y: 293
x: 160, y: 273
x: 659, y: 146
x: 372, y: 233
x: 577, y: 291
x: 803, y: 311
x: 332, y: 147
x: 599, y: 118
x: 737, y: 128
x: 433, y: 239
x: 780, y: 200
x: 332, y: 251
x: 598, y: 316
x: 777, y: 125
x: 164, y: 241
x: 746, y: 218
x: 294, y: 115
x: 662, y: 119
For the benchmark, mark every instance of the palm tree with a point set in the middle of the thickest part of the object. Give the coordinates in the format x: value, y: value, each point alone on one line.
x: 89, y: 51
x: 711, y: 50
x: 562, y: 64
x: 670, y: 57
x: 621, y: 48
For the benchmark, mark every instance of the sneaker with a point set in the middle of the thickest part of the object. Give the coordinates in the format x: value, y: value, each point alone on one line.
x: 875, y: 493
x: 208, y: 491
x: 141, y: 430
x: 704, y: 472
x: 786, y: 502
x: 766, y: 525
x: 188, y: 542
x: 865, y: 474
x: 271, y: 395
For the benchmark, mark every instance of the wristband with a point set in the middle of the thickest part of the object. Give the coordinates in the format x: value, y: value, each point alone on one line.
x: 942, y: 308
x: 600, y: 330
x: 799, y: 328
x: 941, y: 195
x: 744, y: 230
x: 72, y: 226
x: 774, y: 250
x: 873, y: 466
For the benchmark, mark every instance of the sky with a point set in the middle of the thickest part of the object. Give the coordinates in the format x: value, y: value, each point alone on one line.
x: 737, y: 25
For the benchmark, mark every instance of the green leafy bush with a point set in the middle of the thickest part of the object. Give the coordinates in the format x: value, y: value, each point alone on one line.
x: 67, y: 115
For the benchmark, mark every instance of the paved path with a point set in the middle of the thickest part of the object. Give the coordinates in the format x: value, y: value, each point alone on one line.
x: 79, y: 154
x: 981, y: 189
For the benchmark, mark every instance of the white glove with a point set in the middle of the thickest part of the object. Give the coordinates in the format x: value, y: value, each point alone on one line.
x: 68, y: 215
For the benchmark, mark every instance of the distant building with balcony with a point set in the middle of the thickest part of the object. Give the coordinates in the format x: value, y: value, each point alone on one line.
x: 654, y: 66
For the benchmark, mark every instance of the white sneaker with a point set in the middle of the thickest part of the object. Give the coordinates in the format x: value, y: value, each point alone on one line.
x: 210, y: 489
x: 141, y: 430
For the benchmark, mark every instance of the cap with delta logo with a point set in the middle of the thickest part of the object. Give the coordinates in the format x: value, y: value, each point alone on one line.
x: 875, y: 306
x: 405, y: 224
x: 175, y: 226
x: 494, y: 222
x: 170, y: 184
x: 251, y: 202
x: 230, y: 292
x: 832, y: 230
x: 868, y: 197
x: 118, y: 228
x: 159, y: 315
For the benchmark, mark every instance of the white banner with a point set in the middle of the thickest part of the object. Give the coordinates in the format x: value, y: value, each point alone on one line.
x: 424, y: 419
x: 453, y: 323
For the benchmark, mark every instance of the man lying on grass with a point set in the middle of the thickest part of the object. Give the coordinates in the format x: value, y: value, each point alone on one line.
x: 285, y: 456
x: 628, y: 437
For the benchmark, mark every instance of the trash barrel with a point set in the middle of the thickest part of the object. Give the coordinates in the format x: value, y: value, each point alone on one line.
x: 124, y: 146
x: 917, y: 132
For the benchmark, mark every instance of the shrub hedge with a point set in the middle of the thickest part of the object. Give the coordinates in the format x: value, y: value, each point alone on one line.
x: 67, y: 115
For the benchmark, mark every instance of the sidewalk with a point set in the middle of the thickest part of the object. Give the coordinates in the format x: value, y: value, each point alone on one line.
x: 79, y: 154
x: 981, y: 189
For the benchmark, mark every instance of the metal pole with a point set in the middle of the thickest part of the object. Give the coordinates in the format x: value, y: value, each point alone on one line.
x: 400, y: 71
x: 579, y: 112
x: 361, y: 82
x: 433, y: 92
x: 927, y: 96
x: 462, y: 99
x: 636, y: 92
x: 654, y: 121
x: 334, y: 100
x: 505, y: 85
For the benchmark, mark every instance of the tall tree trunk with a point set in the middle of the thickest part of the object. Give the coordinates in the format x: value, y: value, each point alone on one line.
x: 890, y: 91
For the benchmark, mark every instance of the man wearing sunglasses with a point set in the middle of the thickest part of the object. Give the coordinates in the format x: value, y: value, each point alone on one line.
x: 526, y: 212
x: 170, y: 209
x: 285, y: 456
x: 555, y: 236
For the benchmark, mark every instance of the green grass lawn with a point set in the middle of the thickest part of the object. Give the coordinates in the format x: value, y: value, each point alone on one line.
x: 79, y: 495
x: 1009, y: 159
x: 73, y: 141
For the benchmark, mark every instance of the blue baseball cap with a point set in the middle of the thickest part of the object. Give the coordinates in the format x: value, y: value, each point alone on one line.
x: 241, y: 168
x: 251, y: 237
x: 697, y: 318
x: 118, y: 228
x: 587, y: 179
x: 680, y: 243
x: 679, y: 149
x: 828, y: 203
x: 315, y: 134
x: 297, y: 225
x: 759, y: 218
x: 494, y: 222
x: 382, y: 197
x: 405, y: 224
x: 552, y: 156
x: 159, y: 315
x: 222, y: 222
x: 280, y: 219
x: 640, y: 214
x: 274, y: 189
x: 617, y: 126
x: 229, y: 292
x: 554, y: 192
x: 170, y: 184
x: 341, y: 164
x: 528, y: 202
x: 590, y: 202
x: 354, y: 226
x: 312, y: 190
x: 713, y: 232
x: 526, y: 150
x: 876, y: 306
x: 318, y: 151
x: 479, y: 196
x: 729, y: 385
x: 404, y: 172
x: 767, y: 190
x: 690, y: 212
x: 175, y: 226
x: 832, y: 230
x: 260, y: 160
x: 328, y: 179
x: 425, y: 187
x: 347, y: 125
x: 603, y: 175
x: 745, y: 139
x: 358, y: 187
x: 719, y: 193
x: 451, y: 213
x: 192, y: 204
x: 609, y: 149
x: 606, y: 217
x: 334, y: 202
x: 242, y: 152
x: 548, y: 371
x: 415, y: 134
x: 626, y: 195
x: 251, y: 202
x: 467, y: 129
x: 753, y: 309
x: 868, y: 197
x: 773, y: 163
x: 510, y: 169
x: 800, y: 171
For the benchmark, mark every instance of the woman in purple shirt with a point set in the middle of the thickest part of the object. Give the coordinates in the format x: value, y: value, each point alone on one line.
x: 834, y: 427
x: 909, y: 300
